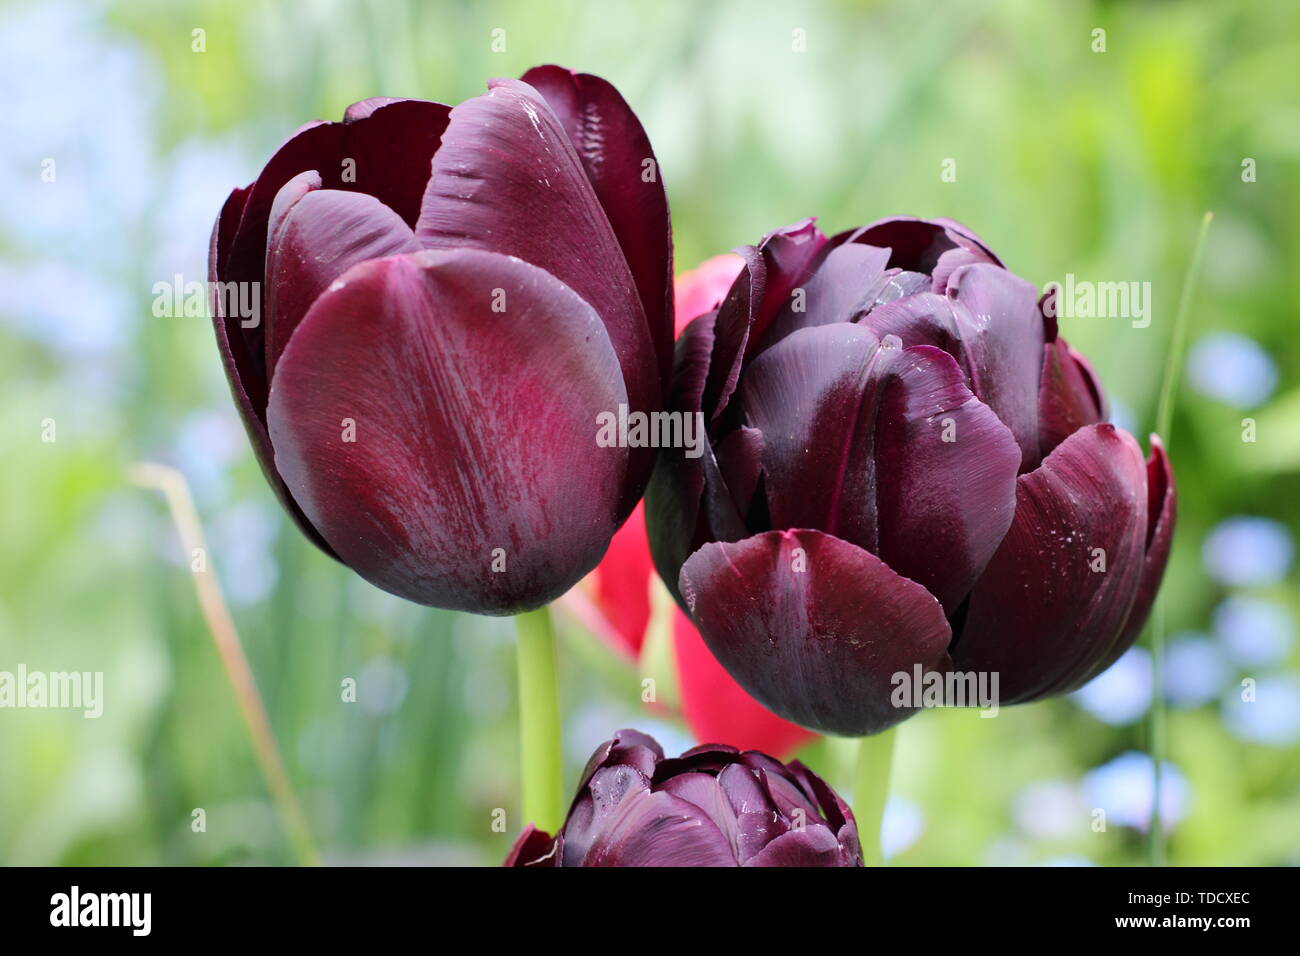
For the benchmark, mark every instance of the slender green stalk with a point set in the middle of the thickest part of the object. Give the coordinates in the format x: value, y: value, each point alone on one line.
x: 1156, y: 741
x: 871, y: 792
x: 539, y: 721
x: 221, y: 627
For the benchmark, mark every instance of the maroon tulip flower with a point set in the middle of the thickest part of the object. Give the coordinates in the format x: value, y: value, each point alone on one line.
x: 907, y: 471
x: 448, y: 299
x: 712, y: 806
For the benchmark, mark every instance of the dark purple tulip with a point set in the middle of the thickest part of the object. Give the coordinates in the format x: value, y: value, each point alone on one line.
x: 712, y: 806
x: 466, y: 290
x: 906, y: 466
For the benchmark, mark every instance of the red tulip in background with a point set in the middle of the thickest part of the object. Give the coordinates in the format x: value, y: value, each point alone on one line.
x: 448, y: 299
x: 715, y: 707
x: 907, y: 469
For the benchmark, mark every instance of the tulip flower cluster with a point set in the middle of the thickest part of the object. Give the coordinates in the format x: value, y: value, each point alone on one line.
x: 905, y: 470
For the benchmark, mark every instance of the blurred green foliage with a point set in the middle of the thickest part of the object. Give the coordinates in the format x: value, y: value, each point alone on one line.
x: 1067, y: 160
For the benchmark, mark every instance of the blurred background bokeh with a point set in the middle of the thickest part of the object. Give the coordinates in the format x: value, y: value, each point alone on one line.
x: 1067, y: 160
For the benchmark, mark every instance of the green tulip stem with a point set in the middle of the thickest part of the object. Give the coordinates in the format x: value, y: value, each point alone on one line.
x: 539, y: 721
x: 871, y: 792
x: 1156, y: 741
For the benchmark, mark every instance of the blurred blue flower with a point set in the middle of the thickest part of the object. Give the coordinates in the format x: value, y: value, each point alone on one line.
x: 901, y: 825
x: 1255, y: 631
x: 1195, y: 670
x: 1272, y: 717
x: 1121, y: 416
x: 1068, y: 861
x: 1050, y: 809
x: 1122, y: 693
x: 1233, y: 369
x: 1124, y: 788
x: 1246, y: 551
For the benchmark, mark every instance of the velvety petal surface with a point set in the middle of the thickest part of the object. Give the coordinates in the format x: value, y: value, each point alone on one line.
x: 659, y: 829
x: 719, y: 710
x: 773, y: 269
x: 1046, y: 609
x: 886, y: 448
x: 315, y: 237
x: 463, y: 456
x: 990, y: 322
x: 1162, y: 511
x: 1067, y: 400
x: 246, y: 373
x: 673, y: 497
x: 620, y: 163
x: 508, y: 180
x: 814, y: 627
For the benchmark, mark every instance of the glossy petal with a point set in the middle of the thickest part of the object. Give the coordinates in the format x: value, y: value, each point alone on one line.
x: 470, y: 461
x: 843, y: 287
x: 814, y: 627
x: 814, y: 846
x: 659, y: 829
x: 533, y: 847
x: 1162, y: 511
x: 615, y: 151
x: 917, y: 245
x: 673, y: 497
x: 885, y: 448
x: 772, y: 271
x: 1044, y: 612
x: 989, y: 321
x: 316, y: 236
x: 1067, y: 400
x: 719, y: 710
x: 390, y: 147
x: 508, y: 180
x: 246, y: 374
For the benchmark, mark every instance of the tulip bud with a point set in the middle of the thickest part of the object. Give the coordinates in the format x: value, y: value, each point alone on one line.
x: 449, y: 298
x: 907, y: 472
x: 712, y: 806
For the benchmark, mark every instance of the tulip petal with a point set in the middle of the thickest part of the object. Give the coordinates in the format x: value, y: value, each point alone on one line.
x: 533, y: 847
x: 918, y: 245
x: 673, y: 497
x: 384, y: 150
x: 812, y: 846
x: 316, y: 235
x: 844, y: 286
x: 886, y: 449
x: 1067, y: 400
x: 615, y: 151
x: 1046, y: 608
x: 659, y: 829
x: 1162, y: 510
x: 989, y: 321
x: 717, y: 709
x: 772, y: 271
x: 508, y: 180
x: 242, y: 360
x: 814, y: 627
x: 468, y: 484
